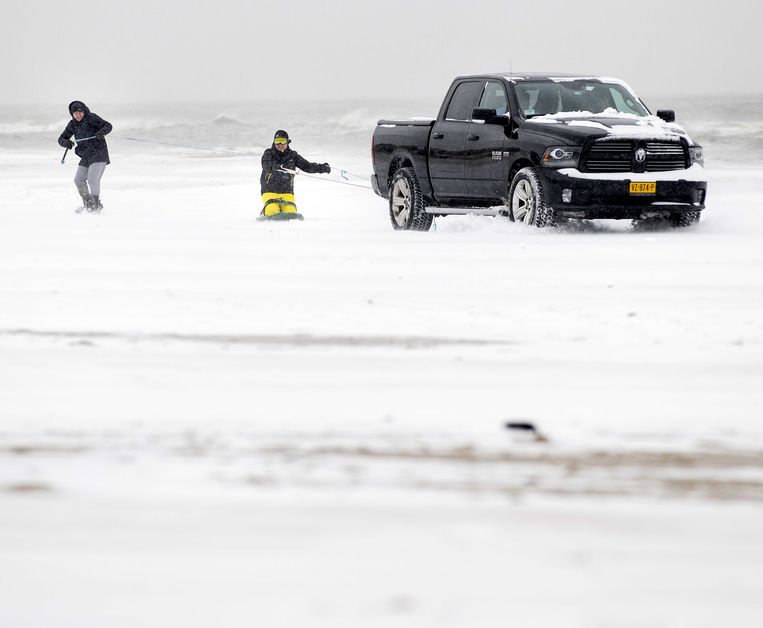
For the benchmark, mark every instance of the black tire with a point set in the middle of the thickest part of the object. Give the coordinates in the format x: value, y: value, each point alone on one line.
x: 526, y: 202
x: 684, y: 219
x: 406, y: 203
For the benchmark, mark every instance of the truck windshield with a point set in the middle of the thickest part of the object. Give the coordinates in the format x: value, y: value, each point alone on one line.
x: 583, y: 97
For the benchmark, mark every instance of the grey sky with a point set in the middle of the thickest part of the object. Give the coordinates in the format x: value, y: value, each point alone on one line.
x: 178, y: 50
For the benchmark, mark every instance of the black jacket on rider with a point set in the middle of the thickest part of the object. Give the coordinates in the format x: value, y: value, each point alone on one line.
x: 90, y: 151
x: 273, y: 179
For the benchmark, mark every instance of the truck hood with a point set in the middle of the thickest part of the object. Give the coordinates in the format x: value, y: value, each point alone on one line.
x: 577, y: 127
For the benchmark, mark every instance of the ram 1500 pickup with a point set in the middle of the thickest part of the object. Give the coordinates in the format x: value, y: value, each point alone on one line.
x: 540, y: 149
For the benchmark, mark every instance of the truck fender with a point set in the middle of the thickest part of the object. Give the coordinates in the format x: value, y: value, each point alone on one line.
x: 400, y: 158
x: 522, y: 159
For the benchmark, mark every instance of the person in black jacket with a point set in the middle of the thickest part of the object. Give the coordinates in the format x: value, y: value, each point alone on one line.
x: 277, y: 183
x: 88, y: 130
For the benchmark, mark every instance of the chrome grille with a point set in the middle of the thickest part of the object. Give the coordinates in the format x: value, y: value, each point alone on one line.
x: 618, y: 156
x: 663, y: 156
x: 609, y: 157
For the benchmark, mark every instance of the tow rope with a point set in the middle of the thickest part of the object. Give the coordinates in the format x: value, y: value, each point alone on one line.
x: 345, y: 174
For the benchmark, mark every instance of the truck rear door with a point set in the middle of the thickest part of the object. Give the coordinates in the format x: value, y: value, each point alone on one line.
x: 486, y: 171
x: 447, y: 144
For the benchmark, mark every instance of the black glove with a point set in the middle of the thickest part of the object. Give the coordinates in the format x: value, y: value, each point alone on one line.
x: 325, y: 169
x: 68, y: 144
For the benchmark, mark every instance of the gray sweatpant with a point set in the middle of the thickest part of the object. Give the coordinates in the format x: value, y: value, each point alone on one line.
x: 90, y: 175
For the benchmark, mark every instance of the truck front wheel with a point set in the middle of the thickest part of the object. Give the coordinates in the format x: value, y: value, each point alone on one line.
x: 406, y: 203
x: 684, y: 219
x: 526, y: 202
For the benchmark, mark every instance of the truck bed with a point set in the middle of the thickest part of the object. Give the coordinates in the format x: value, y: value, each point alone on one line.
x: 396, y: 138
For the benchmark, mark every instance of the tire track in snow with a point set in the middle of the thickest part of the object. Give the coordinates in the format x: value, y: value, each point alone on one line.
x: 296, y: 340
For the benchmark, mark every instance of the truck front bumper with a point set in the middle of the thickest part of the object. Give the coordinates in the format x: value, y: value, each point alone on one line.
x: 576, y: 194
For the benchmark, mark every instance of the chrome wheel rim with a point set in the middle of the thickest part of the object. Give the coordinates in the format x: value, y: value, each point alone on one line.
x: 401, y: 202
x: 523, y: 202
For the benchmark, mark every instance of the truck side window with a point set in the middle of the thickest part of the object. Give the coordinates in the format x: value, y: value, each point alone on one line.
x: 463, y: 101
x: 494, y: 97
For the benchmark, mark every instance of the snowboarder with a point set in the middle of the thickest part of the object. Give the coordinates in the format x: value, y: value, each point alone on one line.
x: 88, y: 130
x: 277, y: 181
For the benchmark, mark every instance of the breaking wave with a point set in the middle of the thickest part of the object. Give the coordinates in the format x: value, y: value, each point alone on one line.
x: 730, y: 128
x: 226, y: 120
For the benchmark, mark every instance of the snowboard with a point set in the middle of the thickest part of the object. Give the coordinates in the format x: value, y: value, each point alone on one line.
x: 281, y: 216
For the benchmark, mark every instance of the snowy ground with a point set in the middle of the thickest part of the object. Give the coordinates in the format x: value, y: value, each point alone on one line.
x: 206, y: 420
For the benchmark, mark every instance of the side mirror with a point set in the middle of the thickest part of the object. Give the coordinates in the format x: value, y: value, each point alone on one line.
x: 480, y: 113
x: 666, y: 114
x: 490, y: 116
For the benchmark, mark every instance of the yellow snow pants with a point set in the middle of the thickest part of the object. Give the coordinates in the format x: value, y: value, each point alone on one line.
x: 278, y: 204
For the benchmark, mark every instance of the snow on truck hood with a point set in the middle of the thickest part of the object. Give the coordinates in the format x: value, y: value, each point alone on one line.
x: 616, y: 124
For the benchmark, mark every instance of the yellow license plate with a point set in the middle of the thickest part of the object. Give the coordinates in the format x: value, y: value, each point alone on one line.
x: 643, y: 187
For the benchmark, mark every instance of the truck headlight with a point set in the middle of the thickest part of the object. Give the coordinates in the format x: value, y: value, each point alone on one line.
x: 696, y: 155
x: 562, y: 157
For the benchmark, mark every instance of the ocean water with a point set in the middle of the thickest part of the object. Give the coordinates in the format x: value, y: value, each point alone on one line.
x: 730, y: 128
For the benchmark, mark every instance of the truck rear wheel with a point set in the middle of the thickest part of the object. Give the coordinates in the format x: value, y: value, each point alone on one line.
x: 526, y: 202
x: 406, y: 203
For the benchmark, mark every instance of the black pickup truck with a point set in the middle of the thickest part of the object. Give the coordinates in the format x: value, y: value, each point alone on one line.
x: 539, y: 149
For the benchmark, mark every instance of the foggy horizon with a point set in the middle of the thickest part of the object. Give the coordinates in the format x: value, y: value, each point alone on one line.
x: 237, y: 52
x: 651, y: 99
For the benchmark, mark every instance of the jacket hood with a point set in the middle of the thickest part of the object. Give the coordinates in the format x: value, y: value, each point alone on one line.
x: 78, y: 104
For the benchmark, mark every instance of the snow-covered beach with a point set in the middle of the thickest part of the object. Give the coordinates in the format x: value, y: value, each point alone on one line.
x: 209, y: 420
